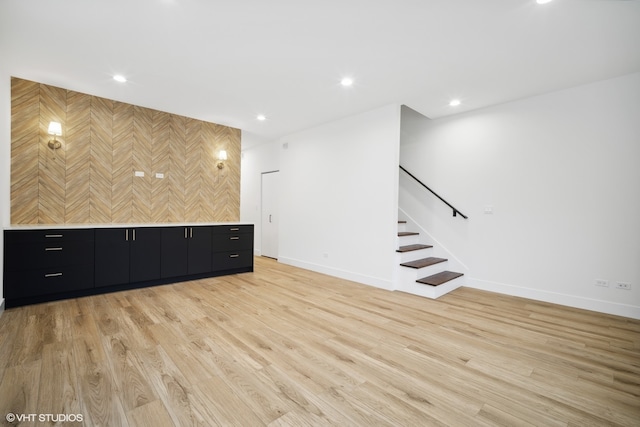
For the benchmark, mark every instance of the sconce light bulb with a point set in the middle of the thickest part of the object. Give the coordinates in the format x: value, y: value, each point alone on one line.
x: 55, y: 129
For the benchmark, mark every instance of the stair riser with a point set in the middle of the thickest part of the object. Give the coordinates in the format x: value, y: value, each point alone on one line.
x: 407, y: 240
x: 413, y: 274
x: 431, y: 291
x: 413, y: 255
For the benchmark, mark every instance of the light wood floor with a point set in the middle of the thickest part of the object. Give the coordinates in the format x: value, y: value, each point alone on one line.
x: 288, y: 347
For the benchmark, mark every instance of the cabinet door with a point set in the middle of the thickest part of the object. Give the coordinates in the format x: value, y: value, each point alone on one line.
x: 145, y: 254
x: 111, y: 256
x: 174, y: 251
x: 199, y: 250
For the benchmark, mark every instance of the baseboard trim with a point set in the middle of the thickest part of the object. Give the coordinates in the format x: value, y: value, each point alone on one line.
x: 617, y: 309
x: 2, y: 307
x: 342, y: 274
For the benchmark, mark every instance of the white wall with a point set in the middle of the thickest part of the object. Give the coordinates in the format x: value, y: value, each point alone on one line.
x: 259, y: 156
x: 338, y: 191
x: 5, y: 164
x: 562, y: 174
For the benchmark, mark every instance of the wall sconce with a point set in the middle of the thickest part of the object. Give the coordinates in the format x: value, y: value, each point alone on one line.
x: 222, y: 156
x: 55, y: 129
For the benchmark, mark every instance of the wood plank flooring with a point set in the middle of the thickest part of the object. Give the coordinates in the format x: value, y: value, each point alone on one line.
x: 288, y: 347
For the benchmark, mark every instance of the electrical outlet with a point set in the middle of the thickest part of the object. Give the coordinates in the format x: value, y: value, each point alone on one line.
x: 623, y: 285
x: 603, y: 283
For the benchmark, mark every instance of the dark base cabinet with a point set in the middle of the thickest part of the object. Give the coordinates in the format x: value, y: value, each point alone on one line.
x: 185, y: 250
x: 45, y: 265
x: 232, y: 247
x: 45, y: 262
x: 112, y: 253
x: 126, y: 255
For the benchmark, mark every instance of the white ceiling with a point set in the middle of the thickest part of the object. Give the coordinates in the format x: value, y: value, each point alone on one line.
x: 226, y: 61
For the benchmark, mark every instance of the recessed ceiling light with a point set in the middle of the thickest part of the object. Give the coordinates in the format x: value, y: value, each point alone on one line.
x: 454, y: 102
x: 347, y: 81
x: 261, y: 117
x: 119, y: 78
x: 543, y: 1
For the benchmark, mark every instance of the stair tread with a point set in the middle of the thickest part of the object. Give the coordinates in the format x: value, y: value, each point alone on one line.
x: 409, y: 248
x: 424, y: 262
x: 439, y: 278
x: 407, y: 233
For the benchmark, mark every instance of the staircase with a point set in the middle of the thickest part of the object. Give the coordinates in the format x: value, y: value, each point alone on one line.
x: 420, y: 273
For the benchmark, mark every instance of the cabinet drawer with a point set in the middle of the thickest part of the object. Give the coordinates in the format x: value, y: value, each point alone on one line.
x: 47, y: 281
x: 232, y: 260
x: 232, y: 242
x: 33, y: 255
x: 221, y: 229
x: 48, y: 236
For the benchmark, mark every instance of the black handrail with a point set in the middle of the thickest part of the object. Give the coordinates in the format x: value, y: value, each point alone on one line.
x: 455, y: 211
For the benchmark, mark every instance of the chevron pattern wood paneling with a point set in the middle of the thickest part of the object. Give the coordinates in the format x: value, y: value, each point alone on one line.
x: 211, y: 174
x: 122, y: 174
x: 177, y: 168
x: 101, y: 160
x: 52, y: 174
x: 194, y: 176
x: 160, y: 162
x: 91, y: 178
x: 25, y: 143
x: 142, y: 158
x: 78, y: 155
x: 232, y: 184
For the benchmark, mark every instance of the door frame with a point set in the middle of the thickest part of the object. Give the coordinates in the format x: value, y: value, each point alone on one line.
x: 262, y: 203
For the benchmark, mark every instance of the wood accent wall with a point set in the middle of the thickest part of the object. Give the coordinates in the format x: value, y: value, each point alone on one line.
x: 91, y: 178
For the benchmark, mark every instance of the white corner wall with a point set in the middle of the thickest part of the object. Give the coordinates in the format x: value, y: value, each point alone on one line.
x: 338, y: 211
x: 561, y: 172
x: 259, y: 157
x: 5, y: 166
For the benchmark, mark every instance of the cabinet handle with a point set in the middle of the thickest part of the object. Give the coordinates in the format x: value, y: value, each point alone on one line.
x: 185, y: 232
x: 234, y: 238
x: 134, y: 234
x: 126, y: 234
x: 234, y: 229
x: 191, y: 232
x: 234, y: 256
x: 53, y: 275
x: 49, y: 236
x: 52, y: 249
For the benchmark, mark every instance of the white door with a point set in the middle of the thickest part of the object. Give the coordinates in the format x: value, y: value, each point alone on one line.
x: 270, y: 214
